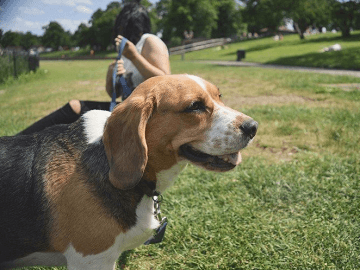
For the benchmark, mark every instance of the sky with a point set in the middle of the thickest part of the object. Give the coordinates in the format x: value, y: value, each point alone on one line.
x: 32, y: 15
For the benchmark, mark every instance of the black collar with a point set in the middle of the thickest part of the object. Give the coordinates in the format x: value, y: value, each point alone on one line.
x: 148, y: 187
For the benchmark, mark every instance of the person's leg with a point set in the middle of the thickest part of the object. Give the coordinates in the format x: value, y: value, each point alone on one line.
x: 66, y: 115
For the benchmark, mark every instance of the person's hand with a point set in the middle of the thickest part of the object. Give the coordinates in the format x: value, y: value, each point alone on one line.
x: 129, y: 50
x: 120, y: 67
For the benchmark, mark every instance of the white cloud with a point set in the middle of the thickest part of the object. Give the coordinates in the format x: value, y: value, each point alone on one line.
x: 31, y: 10
x: 85, y: 2
x: 71, y: 3
x: 83, y: 9
x: 25, y: 25
x: 69, y: 24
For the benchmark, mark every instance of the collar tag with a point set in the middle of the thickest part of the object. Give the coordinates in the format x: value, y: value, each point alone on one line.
x: 160, y: 231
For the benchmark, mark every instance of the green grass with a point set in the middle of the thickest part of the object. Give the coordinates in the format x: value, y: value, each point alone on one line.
x: 293, y: 203
x: 290, y: 51
x: 79, y: 53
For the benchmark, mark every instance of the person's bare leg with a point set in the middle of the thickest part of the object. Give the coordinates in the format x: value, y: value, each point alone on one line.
x: 75, y: 106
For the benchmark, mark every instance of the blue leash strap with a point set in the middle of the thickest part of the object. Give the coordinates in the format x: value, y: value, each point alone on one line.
x: 125, y: 89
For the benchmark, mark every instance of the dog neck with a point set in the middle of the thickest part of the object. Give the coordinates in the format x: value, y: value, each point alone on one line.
x: 148, y: 187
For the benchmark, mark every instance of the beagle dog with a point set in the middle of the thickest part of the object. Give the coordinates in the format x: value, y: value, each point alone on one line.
x: 80, y: 194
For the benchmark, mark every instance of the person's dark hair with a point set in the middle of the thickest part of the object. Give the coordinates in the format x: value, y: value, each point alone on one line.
x: 132, y: 22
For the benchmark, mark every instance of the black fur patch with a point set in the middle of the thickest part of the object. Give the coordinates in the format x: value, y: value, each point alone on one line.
x: 24, y: 207
x: 120, y: 204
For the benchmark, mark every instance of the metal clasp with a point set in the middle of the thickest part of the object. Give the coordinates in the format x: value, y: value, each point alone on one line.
x: 157, y: 212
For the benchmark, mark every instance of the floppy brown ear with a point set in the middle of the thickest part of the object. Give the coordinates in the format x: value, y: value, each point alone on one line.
x: 124, y: 141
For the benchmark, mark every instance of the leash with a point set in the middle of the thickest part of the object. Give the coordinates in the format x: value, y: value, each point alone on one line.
x: 126, y: 91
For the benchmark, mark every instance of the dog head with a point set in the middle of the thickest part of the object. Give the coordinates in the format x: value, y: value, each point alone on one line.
x: 172, y: 118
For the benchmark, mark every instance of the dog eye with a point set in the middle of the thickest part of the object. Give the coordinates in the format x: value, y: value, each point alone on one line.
x: 196, y: 106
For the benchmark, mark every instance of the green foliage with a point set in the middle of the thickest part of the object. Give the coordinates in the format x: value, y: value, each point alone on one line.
x: 28, y: 40
x: 309, y: 13
x: 55, y: 36
x: 304, y: 13
x: 102, y: 26
x: 206, y: 18
x: 229, y: 19
x: 19, y: 39
x: 10, y: 38
x: 264, y: 14
x: 186, y: 15
x: 99, y: 34
x: 346, y: 15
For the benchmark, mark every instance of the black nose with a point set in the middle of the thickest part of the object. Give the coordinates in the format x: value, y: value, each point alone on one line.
x: 249, y: 128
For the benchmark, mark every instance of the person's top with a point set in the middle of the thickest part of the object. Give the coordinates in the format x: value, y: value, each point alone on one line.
x: 132, y: 75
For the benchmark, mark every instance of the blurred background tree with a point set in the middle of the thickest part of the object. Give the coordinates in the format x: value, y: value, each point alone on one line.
x: 261, y: 14
x: 10, y: 38
x: 55, y: 36
x: 346, y: 15
x: 28, y: 40
x: 308, y: 13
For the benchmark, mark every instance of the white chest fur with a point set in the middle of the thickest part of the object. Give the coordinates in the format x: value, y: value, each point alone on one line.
x: 135, y: 237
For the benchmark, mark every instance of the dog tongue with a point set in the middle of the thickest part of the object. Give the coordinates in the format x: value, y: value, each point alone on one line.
x: 232, y: 158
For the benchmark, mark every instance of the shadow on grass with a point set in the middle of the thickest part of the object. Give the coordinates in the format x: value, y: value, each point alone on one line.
x: 345, y: 59
x: 309, y: 40
x: 352, y: 38
x: 263, y: 47
x: 123, y: 259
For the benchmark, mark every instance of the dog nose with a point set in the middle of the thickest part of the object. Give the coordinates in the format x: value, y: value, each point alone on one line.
x: 249, y: 128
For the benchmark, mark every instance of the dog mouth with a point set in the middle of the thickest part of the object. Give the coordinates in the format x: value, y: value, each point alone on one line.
x: 214, y: 163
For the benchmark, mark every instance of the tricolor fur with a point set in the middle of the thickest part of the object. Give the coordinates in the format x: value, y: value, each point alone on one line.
x: 75, y: 193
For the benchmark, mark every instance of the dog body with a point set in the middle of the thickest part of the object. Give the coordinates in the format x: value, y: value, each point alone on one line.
x: 81, y: 194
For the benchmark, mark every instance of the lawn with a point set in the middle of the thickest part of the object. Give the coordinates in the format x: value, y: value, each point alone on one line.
x: 290, y: 51
x: 294, y: 201
x: 79, y: 53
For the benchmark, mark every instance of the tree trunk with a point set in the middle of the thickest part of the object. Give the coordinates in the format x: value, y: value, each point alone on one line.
x: 345, y: 31
x: 297, y: 28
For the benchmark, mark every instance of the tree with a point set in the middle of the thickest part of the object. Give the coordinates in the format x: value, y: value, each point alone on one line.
x: 159, y: 15
x: 307, y: 13
x: 28, y: 40
x: 82, y: 35
x: 11, y: 39
x: 229, y: 19
x: 261, y: 14
x: 345, y: 15
x: 100, y: 33
x: 54, y: 36
x: 198, y: 16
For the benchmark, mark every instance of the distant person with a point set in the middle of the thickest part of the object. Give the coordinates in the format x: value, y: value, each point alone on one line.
x: 144, y: 56
x: 188, y: 36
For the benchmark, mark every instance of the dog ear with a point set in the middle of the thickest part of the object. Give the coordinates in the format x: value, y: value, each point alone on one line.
x: 125, y: 143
